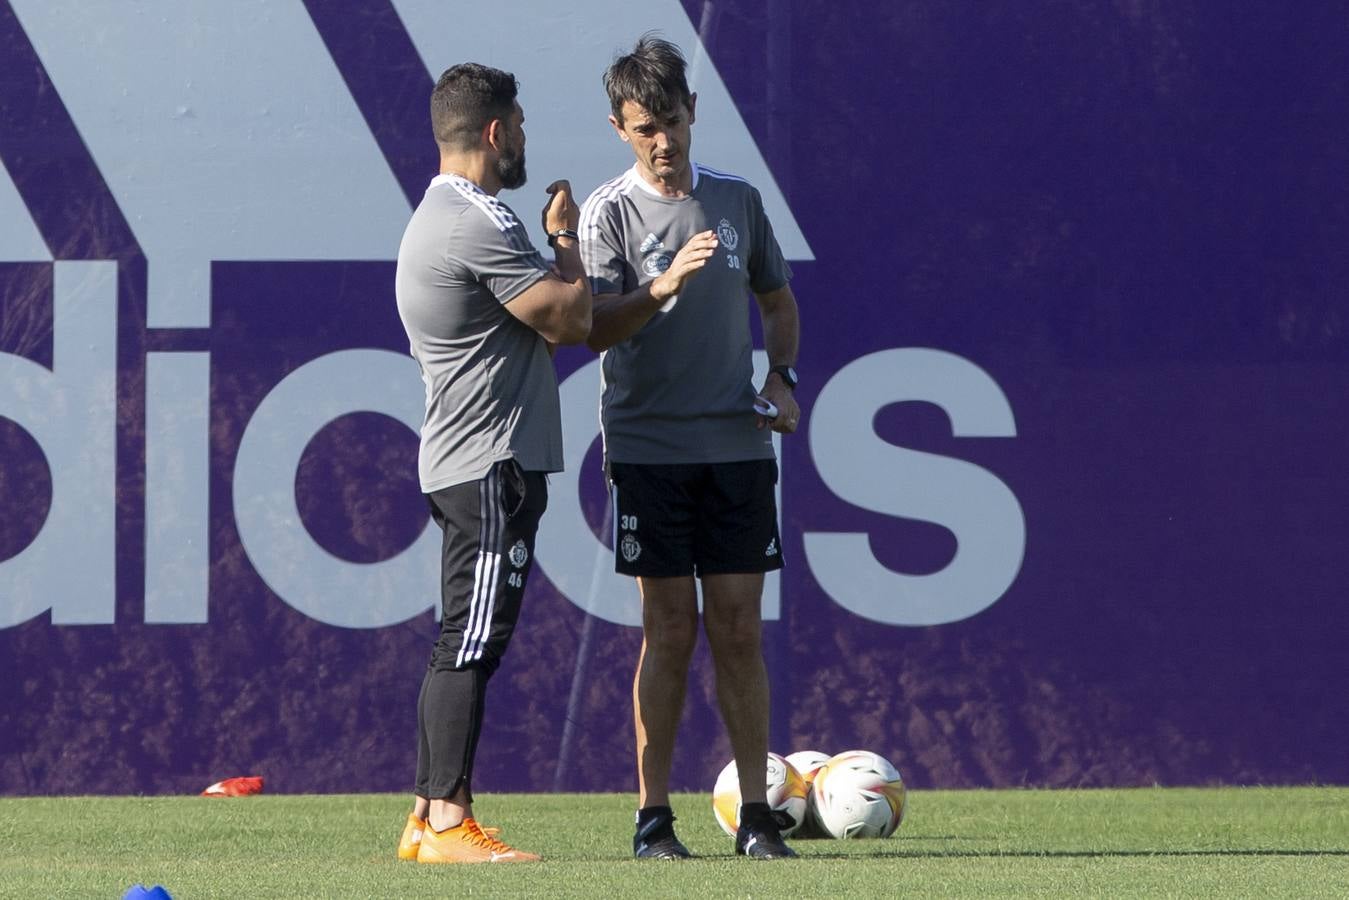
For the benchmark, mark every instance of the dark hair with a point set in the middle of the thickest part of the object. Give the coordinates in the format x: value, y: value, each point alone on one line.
x: 466, y: 98
x: 652, y: 76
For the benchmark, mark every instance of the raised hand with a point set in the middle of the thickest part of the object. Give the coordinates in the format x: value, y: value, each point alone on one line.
x: 561, y: 210
x: 690, y: 258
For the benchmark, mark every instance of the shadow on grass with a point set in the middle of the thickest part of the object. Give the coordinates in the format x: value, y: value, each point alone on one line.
x: 912, y: 854
x: 1066, y: 854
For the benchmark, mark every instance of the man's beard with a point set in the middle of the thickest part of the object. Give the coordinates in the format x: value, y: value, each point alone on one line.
x: 510, y: 168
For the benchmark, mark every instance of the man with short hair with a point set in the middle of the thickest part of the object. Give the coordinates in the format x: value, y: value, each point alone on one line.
x: 672, y: 249
x: 482, y: 310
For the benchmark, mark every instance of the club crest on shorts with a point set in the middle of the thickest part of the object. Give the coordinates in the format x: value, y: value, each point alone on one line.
x: 519, y: 554
x: 727, y: 235
x: 630, y: 548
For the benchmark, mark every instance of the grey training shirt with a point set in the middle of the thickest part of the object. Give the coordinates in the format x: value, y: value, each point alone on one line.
x: 680, y: 390
x: 491, y: 391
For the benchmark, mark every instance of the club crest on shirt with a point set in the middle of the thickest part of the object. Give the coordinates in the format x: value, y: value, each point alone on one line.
x: 519, y: 554
x: 657, y: 261
x: 727, y: 235
x: 630, y: 548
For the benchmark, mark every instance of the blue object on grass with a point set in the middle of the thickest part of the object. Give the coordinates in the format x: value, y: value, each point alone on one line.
x: 141, y: 892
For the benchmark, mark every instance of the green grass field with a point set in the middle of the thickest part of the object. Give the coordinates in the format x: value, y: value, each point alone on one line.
x: 1249, y: 842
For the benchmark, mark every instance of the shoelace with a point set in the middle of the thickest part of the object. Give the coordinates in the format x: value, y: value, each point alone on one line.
x: 480, y: 838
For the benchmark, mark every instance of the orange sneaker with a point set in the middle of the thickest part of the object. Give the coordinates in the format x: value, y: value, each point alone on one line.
x: 467, y: 843
x: 411, y: 841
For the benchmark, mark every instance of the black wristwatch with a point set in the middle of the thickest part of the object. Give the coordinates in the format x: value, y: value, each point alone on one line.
x: 787, y: 374
x: 562, y: 233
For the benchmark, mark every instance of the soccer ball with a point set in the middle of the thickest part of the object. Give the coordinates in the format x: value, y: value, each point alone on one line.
x: 786, y: 793
x: 809, y: 763
x: 859, y: 794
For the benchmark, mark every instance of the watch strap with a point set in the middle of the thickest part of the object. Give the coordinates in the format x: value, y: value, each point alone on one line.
x: 786, y: 373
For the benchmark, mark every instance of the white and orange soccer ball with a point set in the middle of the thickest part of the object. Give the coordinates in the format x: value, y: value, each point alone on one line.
x: 786, y: 793
x: 859, y: 794
x: 809, y: 763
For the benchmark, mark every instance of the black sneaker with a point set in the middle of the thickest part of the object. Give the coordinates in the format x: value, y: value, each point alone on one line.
x: 763, y: 839
x: 657, y: 840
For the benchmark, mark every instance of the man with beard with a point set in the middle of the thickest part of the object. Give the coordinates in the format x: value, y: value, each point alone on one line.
x: 483, y: 311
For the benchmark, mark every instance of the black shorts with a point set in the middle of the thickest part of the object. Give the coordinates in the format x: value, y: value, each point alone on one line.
x: 696, y: 519
x: 487, y: 553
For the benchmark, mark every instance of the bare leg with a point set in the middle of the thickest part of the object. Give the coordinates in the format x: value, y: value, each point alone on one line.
x: 420, y: 806
x: 734, y: 633
x: 669, y: 632
x: 449, y: 813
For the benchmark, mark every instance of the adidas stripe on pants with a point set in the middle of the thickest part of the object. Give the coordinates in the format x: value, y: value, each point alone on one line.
x: 487, y: 553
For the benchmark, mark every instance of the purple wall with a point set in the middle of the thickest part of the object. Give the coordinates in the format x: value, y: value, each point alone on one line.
x: 1132, y: 218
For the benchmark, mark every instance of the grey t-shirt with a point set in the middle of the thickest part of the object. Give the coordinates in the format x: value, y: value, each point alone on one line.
x: 491, y: 391
x: 680, y: 390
